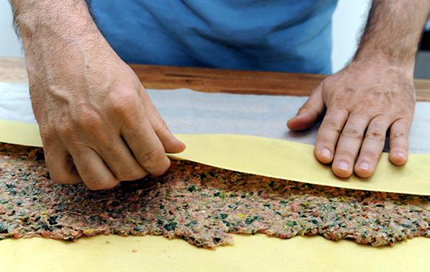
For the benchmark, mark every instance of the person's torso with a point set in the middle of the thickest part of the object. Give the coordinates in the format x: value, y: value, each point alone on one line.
x: 276, y: 35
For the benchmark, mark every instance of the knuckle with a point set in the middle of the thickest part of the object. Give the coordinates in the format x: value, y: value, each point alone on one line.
x: 88, y: 119
x: 97, y: 184
x: 161, y: 127
x: 122, y: 103
x: 307, y: 107
x: 79, y: 151
x: 376, y: 135
x: 322, y: 141
x: 83, y: 119
x: 372, y: 155
x: 130, y: 175
x: 345, y: 153
x: 92, y: 125
x: 333, y: 125
x: 378, y: 124
x: 398, y: 135
x: 59, y: 178
x: 352, y: 133
x: 358, y: 117
x: 54, y: 177
x: 151, y: 157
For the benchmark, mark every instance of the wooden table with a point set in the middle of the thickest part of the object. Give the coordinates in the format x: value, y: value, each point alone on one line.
x: 211, y: 80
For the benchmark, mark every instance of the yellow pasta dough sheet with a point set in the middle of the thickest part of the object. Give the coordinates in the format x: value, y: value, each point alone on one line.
x: 249, y: 154
x: 249, y: 253
x: 270, y: 157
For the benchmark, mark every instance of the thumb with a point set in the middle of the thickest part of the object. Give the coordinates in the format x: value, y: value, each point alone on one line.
x: 309, y: 112
x: 170, y: 143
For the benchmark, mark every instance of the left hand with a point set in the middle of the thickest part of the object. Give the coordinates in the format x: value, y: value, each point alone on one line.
x: 362, y: 103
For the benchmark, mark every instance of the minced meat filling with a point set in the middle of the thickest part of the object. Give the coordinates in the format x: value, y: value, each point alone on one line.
x: 200, y: 204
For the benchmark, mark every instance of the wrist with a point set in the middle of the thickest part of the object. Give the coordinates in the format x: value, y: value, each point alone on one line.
x: 377, y: 57
x: 381, y: 62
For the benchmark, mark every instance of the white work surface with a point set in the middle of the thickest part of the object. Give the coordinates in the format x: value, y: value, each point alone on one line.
x: 187, y: 111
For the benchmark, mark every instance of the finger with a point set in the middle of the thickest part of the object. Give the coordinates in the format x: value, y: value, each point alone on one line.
x: 121, y: 161
x: 328, y: 134
x: 60, y: 165
x: 170, y: 143
x: 93, y: 171
x: 145, y: 144
x: 399, y: 145
x: 309, y: 112
x: 348, y: 145
x: 372, y: 147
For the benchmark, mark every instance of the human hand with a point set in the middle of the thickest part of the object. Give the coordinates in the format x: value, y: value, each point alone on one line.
x: 362, y: 103
x: 96, y: 121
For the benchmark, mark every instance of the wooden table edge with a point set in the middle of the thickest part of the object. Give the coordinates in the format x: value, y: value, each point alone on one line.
x: 12, y: 70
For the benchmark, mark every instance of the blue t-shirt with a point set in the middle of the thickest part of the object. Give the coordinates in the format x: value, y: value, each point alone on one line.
x: 274, y: 35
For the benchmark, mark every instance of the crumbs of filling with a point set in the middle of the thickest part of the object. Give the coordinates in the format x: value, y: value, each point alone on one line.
x: 200, y: 204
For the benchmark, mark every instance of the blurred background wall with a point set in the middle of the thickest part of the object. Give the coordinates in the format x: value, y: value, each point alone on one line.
x: 9, y: 45
x: 348, y: 21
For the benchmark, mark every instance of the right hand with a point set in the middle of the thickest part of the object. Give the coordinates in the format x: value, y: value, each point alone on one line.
x: 96, y: 120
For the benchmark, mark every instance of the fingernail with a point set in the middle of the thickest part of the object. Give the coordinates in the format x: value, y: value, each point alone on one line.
x: 364, y: 166
x: 326, y: 153
x: 400, y: 155
x: 343, y: 165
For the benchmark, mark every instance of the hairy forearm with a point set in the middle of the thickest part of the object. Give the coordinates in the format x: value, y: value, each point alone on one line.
x: 393, y: 32
x: 61, y: 29
x: 61, y: 41
x: 68, y: 20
